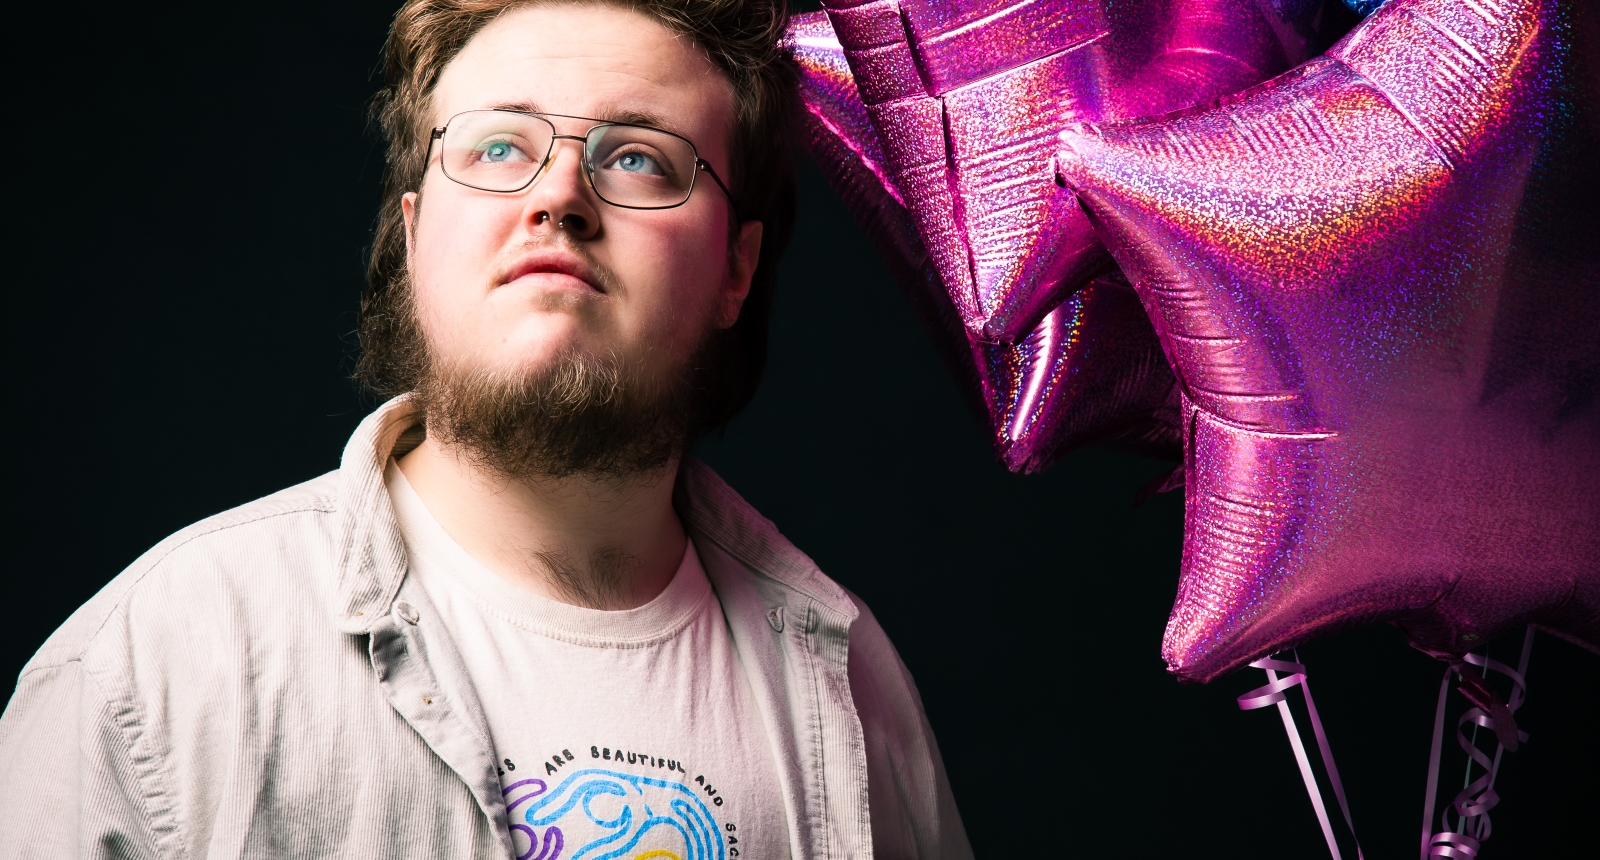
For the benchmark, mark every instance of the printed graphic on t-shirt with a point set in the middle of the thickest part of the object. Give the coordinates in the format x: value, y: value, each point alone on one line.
x: 614, y: 803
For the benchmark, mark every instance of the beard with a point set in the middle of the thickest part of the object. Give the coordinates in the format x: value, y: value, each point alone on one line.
x: 600, y: 417
x: 605, y: 416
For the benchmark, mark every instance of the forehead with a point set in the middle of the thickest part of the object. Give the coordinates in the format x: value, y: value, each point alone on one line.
x: 593, y: 60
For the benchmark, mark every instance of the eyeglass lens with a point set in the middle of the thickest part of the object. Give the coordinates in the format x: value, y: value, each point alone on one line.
x: 495, y: 150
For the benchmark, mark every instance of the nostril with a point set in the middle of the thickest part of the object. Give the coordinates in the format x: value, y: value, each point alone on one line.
x: 573, y: 223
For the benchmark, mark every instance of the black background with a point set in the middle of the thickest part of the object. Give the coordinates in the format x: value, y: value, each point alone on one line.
x: 191, y: 191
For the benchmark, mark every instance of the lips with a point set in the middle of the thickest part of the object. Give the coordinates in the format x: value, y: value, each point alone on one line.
x: 558, y: 263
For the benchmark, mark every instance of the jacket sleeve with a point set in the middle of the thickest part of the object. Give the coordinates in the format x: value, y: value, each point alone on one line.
x: 63, y: 768
x: 912, y: 810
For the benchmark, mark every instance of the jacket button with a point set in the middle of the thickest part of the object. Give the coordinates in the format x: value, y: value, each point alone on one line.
x: 775, y: 618
x: 406, y: 611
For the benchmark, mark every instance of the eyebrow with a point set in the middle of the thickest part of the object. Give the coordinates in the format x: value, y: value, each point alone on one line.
x: 606, y: 114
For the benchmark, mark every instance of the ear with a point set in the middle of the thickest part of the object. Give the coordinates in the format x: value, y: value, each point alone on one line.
x: 745, y: 256
x: 408, y: 208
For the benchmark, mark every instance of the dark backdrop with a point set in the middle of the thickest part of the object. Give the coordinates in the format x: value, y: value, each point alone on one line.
x: 192, y: 187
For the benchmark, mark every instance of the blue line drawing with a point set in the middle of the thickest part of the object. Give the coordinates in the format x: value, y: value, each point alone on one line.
x: 647, y: 806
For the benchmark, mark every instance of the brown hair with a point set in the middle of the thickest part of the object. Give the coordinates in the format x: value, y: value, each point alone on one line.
x: 741, y: 37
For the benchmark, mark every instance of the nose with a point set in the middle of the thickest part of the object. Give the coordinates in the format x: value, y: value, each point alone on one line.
x: 561, y: 198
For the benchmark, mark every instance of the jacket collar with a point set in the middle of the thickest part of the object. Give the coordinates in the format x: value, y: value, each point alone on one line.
x: 372, y: 555
x: 711, y: 510
x: 372, y: 561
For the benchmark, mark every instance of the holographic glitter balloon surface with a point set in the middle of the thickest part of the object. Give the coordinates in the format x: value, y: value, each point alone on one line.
x: 1091, y: 370
x: 1376, y: 280
x: 936, y: 122
x: 967, y: 96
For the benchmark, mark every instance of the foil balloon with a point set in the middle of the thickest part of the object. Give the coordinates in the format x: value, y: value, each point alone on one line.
x: 840, y: 137
x: 1056, y: 365
x: 1090, y: 371
x: 966, y: 98
x: 1375, y: 279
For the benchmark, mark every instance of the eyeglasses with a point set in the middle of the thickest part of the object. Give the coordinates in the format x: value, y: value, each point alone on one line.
x: 630, y: 166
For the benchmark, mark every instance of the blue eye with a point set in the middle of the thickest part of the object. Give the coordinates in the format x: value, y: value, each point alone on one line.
x: 636, y: 162
x: 499, y: 151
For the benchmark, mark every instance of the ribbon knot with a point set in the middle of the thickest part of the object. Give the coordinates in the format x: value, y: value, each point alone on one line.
x: 1473, y: 802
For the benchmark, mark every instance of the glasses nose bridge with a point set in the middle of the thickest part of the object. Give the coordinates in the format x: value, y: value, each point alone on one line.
x: 583, y: 152
x: 584, y: 168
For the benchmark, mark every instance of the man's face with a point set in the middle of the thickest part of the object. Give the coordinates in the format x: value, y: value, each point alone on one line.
x: 501, y: 286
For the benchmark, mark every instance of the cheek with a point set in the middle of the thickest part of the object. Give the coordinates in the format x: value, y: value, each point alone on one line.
x: 454, y: 248
x: 455, y: 240
x: 684, y: 260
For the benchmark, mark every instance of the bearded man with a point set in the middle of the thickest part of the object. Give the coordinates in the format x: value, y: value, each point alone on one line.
x: 517, y: 621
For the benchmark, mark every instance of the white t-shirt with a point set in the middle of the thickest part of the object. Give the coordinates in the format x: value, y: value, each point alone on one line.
x: 630, y: 734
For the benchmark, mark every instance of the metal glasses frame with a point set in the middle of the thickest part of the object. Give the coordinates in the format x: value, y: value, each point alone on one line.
x: 588, y: 168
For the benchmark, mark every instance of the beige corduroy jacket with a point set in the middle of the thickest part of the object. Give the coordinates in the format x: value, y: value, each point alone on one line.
x: 248, y: 689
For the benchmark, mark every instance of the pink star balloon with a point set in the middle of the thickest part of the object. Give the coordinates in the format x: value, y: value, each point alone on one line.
x: 966, y: 97
x: 950, y: 150
x: 1091, y: 370
x: 1375, y: 278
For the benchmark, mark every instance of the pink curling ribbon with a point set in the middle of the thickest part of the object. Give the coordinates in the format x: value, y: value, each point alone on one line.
x: 1477, y: 796
x: 1276, y: 692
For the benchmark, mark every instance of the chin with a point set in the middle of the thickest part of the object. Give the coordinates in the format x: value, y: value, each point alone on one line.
x: 535, y: 344
x: 528, y: 363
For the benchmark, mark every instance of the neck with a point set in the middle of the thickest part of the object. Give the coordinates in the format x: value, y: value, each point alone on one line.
x: 603, y: 543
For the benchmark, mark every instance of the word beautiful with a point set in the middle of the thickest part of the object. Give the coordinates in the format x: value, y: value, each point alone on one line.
x: 638, y: 758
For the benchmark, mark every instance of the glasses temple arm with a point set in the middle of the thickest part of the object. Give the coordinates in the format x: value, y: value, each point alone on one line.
x: 706, y: 166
